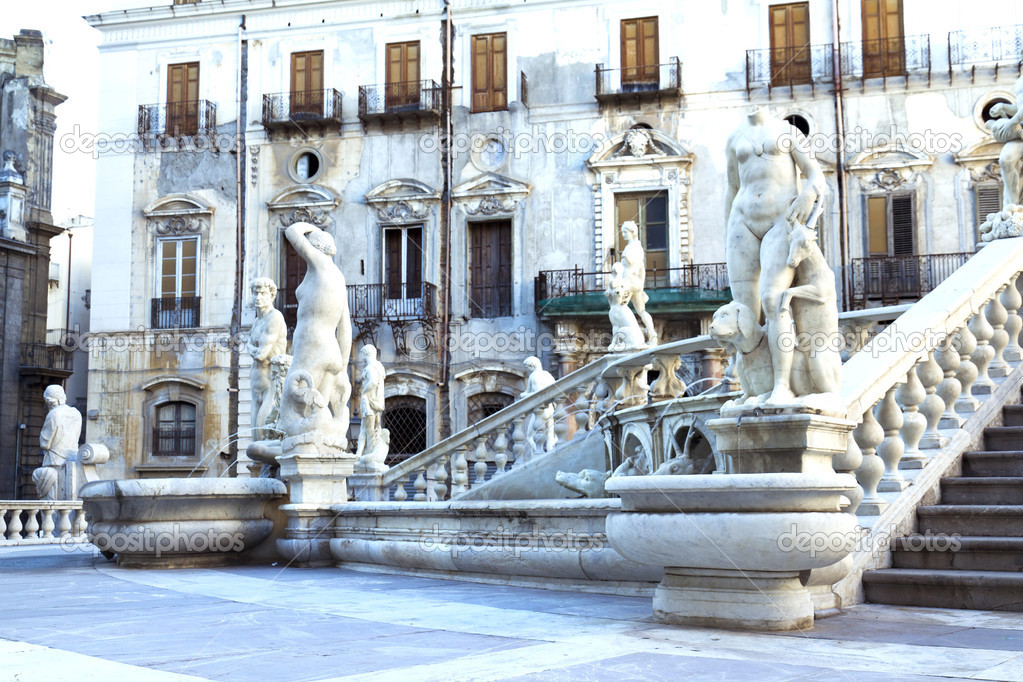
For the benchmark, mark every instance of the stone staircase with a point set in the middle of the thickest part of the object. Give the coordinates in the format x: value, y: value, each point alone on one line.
x: 970, y: 553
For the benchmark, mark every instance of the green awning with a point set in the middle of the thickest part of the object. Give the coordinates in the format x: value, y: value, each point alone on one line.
x: 662, y: 301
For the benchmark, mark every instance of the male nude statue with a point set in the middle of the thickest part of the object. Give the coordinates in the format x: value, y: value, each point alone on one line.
x: 59, y: 442
x: 763, y: 201
x: 322, y: 341
x: 1007, y: 128
x: 634, y: 263
x: 267, y: 338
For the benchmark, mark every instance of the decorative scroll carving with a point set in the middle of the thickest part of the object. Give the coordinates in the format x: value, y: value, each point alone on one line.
x: 402, y: 212
x: 888, y: 179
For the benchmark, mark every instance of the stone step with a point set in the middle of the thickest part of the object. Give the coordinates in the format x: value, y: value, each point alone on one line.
x: 987, y: 590
x: 968, y: 553
x: 1012, y: 415
x: 976, y: 490
x: 1003, y: 438
x: 982, y: 463
x: 969, y: 519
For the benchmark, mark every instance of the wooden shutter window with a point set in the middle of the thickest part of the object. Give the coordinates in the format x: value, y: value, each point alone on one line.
x: 307, y: 82
x: 902, y: 224
x: 640, y: 50
x: 790, y: 39
x: 884, y: 52
x: 183, y: 99
x: 402, y: 71
x: 489, y: 72
x: 987, y: 198
x: 490, y: 273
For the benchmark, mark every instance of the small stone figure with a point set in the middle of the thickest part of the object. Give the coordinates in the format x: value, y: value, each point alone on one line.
x: 538, y: 380
x: 1007, y: 127
x: 267, y: 338
x: 588, y: 482
x: 372, y: 448
x: 736, y: 329
x: 269, y: 448
x: 634, y: 277
x: 626, y: 334
x: 59, y: 442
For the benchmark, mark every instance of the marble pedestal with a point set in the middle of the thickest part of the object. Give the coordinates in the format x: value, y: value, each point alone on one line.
x: 779, y: 440
x: 315, y: 481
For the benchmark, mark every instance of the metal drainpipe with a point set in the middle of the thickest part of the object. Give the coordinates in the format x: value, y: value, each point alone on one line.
x: 67, y: 307
x: 843, y: 203
x: 445, y: 211
x: 236, y: 312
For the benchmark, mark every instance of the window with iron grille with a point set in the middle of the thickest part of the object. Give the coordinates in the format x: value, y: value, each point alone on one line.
x: 405, y: 420
x: 174, y: 430
x: 482, y: 405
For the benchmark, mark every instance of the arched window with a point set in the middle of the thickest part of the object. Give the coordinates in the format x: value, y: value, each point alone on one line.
x: 482, y: 405
x: 174, y: 430
x: 405, y: 420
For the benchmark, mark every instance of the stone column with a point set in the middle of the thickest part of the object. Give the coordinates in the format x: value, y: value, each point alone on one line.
x: 315, y: 482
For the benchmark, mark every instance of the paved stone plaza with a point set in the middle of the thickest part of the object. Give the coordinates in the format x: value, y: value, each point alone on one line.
x: 67, y: 615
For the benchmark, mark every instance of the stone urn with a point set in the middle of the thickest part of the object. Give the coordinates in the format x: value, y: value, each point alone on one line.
x: 737, y: 548
x: 180, y: 522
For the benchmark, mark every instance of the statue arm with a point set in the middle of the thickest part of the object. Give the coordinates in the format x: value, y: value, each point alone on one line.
x: 802, y: 206
x: 732, y: 172
x: 296, y: 234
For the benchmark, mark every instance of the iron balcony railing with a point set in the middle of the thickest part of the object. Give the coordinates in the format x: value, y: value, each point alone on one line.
x: 637, y: 80
x: 178, y: 119
x: 408, y: 97
x: 895, y: 279
x: 175, y: 313
x: 557, y: 283
x: 985, y: 46
x: 302, y: 106
x: 887, y: 57
x: 789, y: 66
x: 393, y: 301
x: 47, y: 357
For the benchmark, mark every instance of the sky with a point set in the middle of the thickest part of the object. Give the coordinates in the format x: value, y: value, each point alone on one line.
x: 70, y: 67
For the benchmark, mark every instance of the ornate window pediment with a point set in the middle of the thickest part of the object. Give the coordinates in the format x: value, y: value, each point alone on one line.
x: 402, y: 201
x: 638, y: 146
x: 303, y: 204
x: 888, y: 168
x: 981, y: 159
x: 178, y: 214
x: 490, y: 194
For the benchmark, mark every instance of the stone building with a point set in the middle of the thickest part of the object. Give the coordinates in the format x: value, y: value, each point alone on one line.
x: 474, y: 160
x: 28, y: 360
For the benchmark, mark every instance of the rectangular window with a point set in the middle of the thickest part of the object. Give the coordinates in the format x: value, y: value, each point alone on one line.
x: 174, y: 430
x: 987, y: 198
x: 177, y: 303
x: 790, y: 41
x: 307, y: 83
x: 402, y: 75
x: 490, y: 269
x: 403, y: 262
x: 891, y: 222
x: 640, y: 52
x: 489, y: 72
x: 884, y: 50
x: 182, y: 99
x: 650, y: 213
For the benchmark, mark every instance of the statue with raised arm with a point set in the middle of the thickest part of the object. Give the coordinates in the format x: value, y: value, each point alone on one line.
x: 59, y: 442
x: 634, y: 276
x: 1007, y: 128
x: 317, y: 382
x: 764, y: 203
x: 539, y: 379
x: 626, y: 334
x: 372, y: 448
x: 268, y: 337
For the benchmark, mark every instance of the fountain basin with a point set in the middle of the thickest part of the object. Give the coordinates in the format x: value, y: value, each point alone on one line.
x: 736, y: 549
x: 180, y: 522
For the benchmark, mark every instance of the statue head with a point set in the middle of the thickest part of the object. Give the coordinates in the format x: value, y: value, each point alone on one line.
x: 638, y: 141
x: 630, y: 230
x: 54, y: 395
x: 532, y: 363
x: 264, y: 291
x: 322, y: 241
x: 368, y: 353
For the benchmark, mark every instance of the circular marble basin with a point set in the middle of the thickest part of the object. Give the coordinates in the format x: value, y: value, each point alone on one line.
x: 180, y: 522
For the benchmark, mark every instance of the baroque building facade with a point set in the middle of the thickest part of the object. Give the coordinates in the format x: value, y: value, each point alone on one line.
x: 474, y: 161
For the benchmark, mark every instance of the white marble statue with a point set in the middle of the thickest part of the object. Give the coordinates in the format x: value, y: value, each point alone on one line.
x: 764, y: 204
x: 1007, y: 128
x: 736, y: 329
x: 539, y: 379
x: 268, y: 448
x: 373, y: 446
x: 634, y: 275
x: 321, y: 346
x: 59, y: 442
x: 268, y: 338
x: 626, y: 334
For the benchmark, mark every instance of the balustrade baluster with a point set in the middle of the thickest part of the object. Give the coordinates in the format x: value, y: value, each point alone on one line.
x: 518, y: 440
x: 47, y: 524
x: 581, y: 415
x: 440, y: 475
x: 500, y: 453
x: 910, y: 395
x: 1012, y: 301
x: 481, y: 462
x: 560, y: 424
x: 431, y: 482
x: 667, y: 386
x: 31, y: 523
x: 868, y: 435
x: 933, y: 406
x: 966, y: 343
x: 400, y: 494
x: 14, y: 526
x: 420, y: 486
x: 80, y: 524
x: 63, y: 523
x: 3, y: 524
x: 949, y: 390
x: 460, y: 472
x: 890, y: 450
x: 984, y: 353
x: 997, y: 316
x: 848, y: 463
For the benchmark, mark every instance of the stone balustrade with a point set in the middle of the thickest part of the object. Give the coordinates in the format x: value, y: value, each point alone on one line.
x: 25, y: 522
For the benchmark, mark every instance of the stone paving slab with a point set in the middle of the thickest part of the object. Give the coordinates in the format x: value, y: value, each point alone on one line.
x: 72, y: 616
